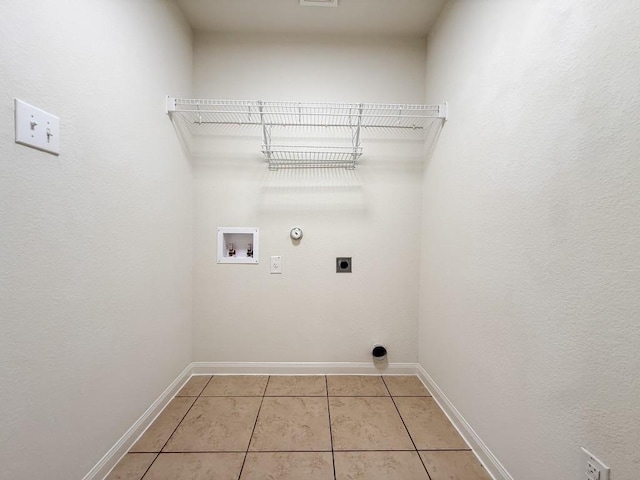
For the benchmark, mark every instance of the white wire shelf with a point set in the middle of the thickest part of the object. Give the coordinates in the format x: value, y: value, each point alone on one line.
x: 292, y: 156
x: 198, y: 114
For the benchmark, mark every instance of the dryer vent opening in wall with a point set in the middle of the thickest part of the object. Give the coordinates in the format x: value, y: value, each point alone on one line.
x: 343, y: 265
x: 379, y: 352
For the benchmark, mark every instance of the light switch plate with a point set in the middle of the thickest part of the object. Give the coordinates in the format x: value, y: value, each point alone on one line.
x: 36, y: 128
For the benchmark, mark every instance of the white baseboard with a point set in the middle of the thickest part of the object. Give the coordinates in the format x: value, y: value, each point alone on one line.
x: 488, y: 459
x: 122, y: 446
x: 302, y: 368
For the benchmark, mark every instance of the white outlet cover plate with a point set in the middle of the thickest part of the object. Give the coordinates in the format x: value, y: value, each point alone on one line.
x: 276, y: 264
x: 588, y: 457
x: 36, y: 128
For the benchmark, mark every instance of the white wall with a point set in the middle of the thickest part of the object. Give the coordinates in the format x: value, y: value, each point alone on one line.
x: 531, y: 266
x: 96, y: 244
x: 309, y: 313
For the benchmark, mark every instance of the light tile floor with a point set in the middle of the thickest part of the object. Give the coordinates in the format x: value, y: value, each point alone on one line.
x: 333, y: 427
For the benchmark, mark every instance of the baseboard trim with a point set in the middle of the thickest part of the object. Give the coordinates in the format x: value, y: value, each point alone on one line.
x: 302, y: 368
x: 122, y: 446
x: 480, y: 449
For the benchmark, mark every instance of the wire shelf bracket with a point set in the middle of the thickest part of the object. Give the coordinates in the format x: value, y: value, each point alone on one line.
x: 354, y: 117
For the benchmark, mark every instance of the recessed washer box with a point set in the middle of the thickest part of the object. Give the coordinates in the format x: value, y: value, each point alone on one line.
x: 238, y: 245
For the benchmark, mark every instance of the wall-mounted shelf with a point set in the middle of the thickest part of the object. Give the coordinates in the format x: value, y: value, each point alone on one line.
x: 198, y: 114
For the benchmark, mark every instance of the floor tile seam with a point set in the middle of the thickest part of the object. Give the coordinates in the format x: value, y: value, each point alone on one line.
x: 445, y: 450
x: 231, y: 396
x: 412, y: 396
x: 180, y: 452
x: 178, y: 395
x: 181, y: 420
x: 289, y: 451
x: 378, y: 449
x: 178, y: 425
x: 244, y: 461
x: 174, y: 430
x: 304, y: 395
x: 359, y: 396
x: 150, y: 465
x: 333, y: 458
x: 297, y: 395
x: 346, y: 450
x: 405, y: 427
x: 374, y: 450
x: 205, y: 386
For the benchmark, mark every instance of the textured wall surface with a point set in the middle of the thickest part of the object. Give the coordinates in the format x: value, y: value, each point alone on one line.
x: 531, y: 259
x: 96, y: 244
x: 309, y: 313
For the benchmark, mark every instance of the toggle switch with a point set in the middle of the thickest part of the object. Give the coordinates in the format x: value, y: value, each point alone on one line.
x: 36, y: 128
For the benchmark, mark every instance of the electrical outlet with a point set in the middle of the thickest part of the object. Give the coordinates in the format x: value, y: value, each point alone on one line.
x: 593, y: 473
x: 276, y: 264
x: 594, y: 468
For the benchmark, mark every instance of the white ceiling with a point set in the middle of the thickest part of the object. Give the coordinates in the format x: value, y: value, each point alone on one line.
x: 350, y: 17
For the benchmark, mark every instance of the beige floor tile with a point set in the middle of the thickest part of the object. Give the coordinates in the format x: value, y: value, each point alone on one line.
x: 367, y: 423
x: 161, y: 429
x: 196, y: 466
x: 132, y: 466
x: 292, y: 424
x: 454, y: 466
x: 379, y: 466
x: 216, y: 424
x: 406, y: 385
x: 194, y: 386
x: 292, y: 386
x: 356, y: 386
x: 288, y: 466
x: 236, y: 385
x: 428, y: 426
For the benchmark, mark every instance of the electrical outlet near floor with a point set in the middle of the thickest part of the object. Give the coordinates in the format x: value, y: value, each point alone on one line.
x: 594, y: 469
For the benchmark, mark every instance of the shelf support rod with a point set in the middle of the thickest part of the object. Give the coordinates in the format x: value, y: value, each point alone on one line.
x: 266, y: 137
x: 356, y: 137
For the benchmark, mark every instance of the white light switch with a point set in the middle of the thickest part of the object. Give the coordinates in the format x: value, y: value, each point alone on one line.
x: 37, y: 128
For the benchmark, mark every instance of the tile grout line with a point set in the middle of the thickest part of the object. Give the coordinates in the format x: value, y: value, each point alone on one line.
x: 308, y: 451
x: 405, y: 427
x: 301, y: 451
x: 263, y: 396
x: 333, y: 458
x: 174, y: 430
x: 246, y: 453
x: 149, y: 467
